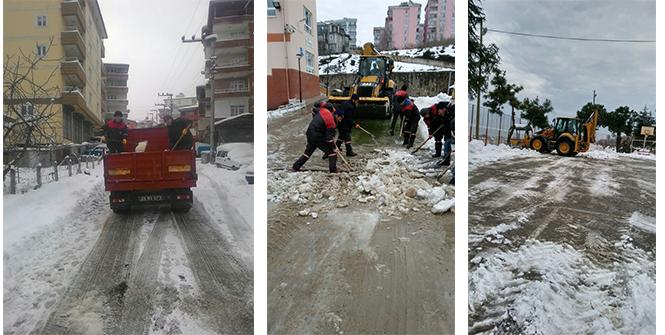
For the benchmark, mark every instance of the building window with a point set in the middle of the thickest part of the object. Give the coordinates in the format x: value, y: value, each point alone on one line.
x: 308, y: 20
x: 238, y: 61
x: 238, y: 85
x: 238, y: 36
x: 27, y: 109
x: 40, y: 20
x: 237, y: 110
x: 272, y: 12
x: 113, y: 97
x: 41, y: 50
x: 310, y: 62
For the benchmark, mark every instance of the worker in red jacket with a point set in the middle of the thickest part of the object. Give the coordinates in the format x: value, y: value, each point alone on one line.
x: 115, y: 133
x: 321, y: 134
x: 411, y: 119
x: 397, y: 108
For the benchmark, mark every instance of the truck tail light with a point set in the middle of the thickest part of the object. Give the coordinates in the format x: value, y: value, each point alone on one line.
x: 180, y: 168
x: 183, y: 197
x: 119, y: 172
x: 115, y: 201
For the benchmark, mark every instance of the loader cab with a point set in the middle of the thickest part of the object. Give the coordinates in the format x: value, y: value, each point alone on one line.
x: 372, y: 66
x: 567, y: 125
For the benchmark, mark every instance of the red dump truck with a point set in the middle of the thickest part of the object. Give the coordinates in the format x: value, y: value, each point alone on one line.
x: 155, y: 176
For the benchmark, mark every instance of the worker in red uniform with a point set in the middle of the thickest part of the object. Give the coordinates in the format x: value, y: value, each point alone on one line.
x: 397, y: 108
x: 411, y: 119
x: 434, y: 119
x: 115, y: 133
x: 321, y: 135
x: 347, y: 124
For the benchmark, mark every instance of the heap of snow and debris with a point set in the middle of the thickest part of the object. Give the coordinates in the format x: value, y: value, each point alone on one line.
x: 341, y: 63
x: 390, y: 181
x: 600, y: 152
x: 292, y: 106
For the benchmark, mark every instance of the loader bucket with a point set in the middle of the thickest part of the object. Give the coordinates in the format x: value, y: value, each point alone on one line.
x: 368, y: 108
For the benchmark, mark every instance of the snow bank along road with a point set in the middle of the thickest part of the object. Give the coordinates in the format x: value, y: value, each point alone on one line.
x: 368, y: 251
x: 561, y: 245
x: 149, y: 271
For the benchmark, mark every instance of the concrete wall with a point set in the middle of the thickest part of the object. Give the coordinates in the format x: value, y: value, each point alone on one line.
x: 419, y: 83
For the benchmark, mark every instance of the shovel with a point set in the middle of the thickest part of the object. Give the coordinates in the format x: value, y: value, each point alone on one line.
x: 446, y: 170
x: 181, y: 136
x: 342, y: 157
x: 428, y: 138
x: 370, y: 134
x: 401, y: 129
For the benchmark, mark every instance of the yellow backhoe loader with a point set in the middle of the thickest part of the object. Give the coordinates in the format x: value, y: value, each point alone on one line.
x: 569, y: 137
x: 372, y: 84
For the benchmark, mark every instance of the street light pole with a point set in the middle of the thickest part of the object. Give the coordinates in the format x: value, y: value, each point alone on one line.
x: 299, y: 77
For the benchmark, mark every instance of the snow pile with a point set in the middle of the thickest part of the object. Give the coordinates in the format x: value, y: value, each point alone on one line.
x: 563, y: 292
x: 293, y: 106
x: 341, y: 63
x: 481, y: 154
x: 436, y: 52
x: 603, y: 153
x: 390, y: 182
x: 424, y: 102
x: 643, y: 222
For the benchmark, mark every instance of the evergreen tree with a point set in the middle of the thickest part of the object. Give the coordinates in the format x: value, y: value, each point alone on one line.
x: 536, y: 113
x: 644, y: 118
x: 620, y: 121
x: 482, y: 58
x: 501, y: 94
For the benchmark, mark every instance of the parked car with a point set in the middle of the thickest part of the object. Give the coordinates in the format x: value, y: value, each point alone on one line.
x: 234, y: 155
x: 249, y: 174
x: 98, y: 150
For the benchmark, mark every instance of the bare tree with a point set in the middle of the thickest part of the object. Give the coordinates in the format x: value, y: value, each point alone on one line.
x: 29, y: 116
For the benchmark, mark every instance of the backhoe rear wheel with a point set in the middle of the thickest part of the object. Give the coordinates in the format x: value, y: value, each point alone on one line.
x: 538, y: 144
x: 565, y: 147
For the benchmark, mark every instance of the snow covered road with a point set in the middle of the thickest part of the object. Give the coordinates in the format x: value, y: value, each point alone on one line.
x: 83, y: 269
x: 562, y: 245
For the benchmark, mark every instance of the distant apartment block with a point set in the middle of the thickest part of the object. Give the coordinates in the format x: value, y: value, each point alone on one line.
x: 379, y: 36
x: 332, y: 38
x: 439, y: 20
x: 292, y: 45
x: 350, y: 26
x: 402, y: 25
x: 233, y: 23
x: 116, y: 77
x: 74, y: 58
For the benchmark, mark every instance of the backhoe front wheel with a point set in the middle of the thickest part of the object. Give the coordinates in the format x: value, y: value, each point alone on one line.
x: 538, y: 144
x: 565, y: 147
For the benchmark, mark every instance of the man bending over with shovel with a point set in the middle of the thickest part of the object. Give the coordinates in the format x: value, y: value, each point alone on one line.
x: 179, y: 135
x: 347, y: 124
x: 321, y: 134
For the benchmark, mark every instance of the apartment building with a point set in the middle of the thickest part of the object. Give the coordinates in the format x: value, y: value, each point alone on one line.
x: 293, y: 61
x: 116, y: 89
x: 439, y: 20
x: 68, y: 36
x: 332, y: 38
x: 402, y: 24
x: 350, y: 26
x: 233, y: 23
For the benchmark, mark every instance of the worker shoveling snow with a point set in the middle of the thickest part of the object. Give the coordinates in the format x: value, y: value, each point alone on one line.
x: 390, y: 180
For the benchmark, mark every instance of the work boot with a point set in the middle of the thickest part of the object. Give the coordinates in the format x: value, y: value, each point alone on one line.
x: 412, y: 139
x: 298, y: 170
x: 452, y: 181
x: 325, y: 156
x: 349, y: 151
x: 444, y: 162
x: 392, y: 132
x: 407, y: 136
x: 437, y: 147
x: 337, y: 171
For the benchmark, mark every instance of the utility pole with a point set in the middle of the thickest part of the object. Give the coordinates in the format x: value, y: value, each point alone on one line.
x: 170, y: 95
x: 594, y: 97
x: 478, y: 93
x: 211, y: 69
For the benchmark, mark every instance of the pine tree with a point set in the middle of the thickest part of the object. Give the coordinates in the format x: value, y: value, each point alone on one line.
x: 536, y: 113
x: 482, y: 58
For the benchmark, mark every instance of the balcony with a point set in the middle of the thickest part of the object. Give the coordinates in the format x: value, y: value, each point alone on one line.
x: 237, y: 92
x: 73, y: 14
x: 117, y: 101
x: 110, y: 89
x: 72, y: 40
x: 72, y: 68
x: 233, y: 42
x: 115, y: 75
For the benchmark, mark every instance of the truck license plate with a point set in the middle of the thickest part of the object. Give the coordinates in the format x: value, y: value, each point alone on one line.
x: 150, y: 198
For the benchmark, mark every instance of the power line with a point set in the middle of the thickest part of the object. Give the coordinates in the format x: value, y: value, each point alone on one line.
x: 179, y: 72
x: 571, y: 38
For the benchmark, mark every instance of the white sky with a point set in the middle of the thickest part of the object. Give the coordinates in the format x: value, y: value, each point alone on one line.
x: 146, y: 35
x: 370, y: 14
x: 567, y: 72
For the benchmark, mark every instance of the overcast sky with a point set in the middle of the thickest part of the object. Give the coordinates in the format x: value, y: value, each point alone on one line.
x: 146, y: 35
x: 567, y: 72
x: 370, y: 14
